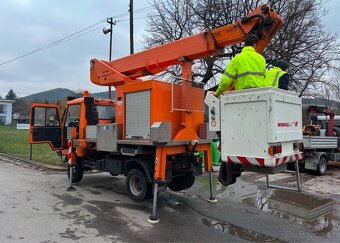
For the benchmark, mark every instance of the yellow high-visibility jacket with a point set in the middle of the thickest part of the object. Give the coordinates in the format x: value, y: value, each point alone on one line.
x: 273, y: 76
x: 248, y: 68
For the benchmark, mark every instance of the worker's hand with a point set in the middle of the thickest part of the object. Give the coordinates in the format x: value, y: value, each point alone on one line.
x: 213, y: 93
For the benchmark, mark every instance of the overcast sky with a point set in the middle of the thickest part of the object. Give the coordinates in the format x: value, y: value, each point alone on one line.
x: 26, y: 25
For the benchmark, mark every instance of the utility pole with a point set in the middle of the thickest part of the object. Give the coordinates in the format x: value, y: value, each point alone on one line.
x: 110, y: 21
x: 131, y: 27
x: 105, y: 31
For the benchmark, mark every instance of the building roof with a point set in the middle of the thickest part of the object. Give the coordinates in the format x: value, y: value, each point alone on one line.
x: 7, y: 101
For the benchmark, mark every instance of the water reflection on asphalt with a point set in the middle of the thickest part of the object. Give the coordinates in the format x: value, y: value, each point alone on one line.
x: 315, y: 212
x: 238, y: 231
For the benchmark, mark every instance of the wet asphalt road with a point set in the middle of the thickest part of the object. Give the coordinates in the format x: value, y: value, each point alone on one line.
x: 35, y: 207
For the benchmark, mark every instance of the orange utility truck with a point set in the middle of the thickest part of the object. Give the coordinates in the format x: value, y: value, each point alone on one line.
x: 158, y: 126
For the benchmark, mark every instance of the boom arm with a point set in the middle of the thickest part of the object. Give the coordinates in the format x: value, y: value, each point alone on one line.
x: 263, y: 21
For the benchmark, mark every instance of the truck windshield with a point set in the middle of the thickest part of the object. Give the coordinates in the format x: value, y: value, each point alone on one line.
x: 106, y: 112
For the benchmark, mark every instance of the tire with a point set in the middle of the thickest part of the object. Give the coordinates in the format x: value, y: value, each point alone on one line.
x: 322, y: 166
x: 78, y: 171
x: 228, y: 173
x: 337, y: 131
x: 138, y: 188
x: 291, y: 166
x: 182, y: 183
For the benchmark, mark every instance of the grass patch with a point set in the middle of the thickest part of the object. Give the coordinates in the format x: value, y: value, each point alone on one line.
x: 203, y: 183
x: 16, y: 142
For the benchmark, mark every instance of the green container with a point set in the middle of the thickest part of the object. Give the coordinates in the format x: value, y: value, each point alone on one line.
x: 201, y: 154
x: 215, y: 153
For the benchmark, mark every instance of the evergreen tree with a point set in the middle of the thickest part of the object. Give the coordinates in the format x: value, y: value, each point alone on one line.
x: 11, y: 95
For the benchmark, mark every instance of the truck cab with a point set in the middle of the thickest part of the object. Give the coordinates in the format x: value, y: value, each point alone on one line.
x: 47, y: 125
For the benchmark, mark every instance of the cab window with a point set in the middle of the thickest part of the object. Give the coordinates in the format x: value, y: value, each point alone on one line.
x: 106, y: 112
x: 72, y: 115
x: 46, y: 117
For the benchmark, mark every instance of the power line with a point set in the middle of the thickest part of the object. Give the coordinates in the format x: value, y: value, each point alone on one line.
x: 54, y: 43
x: 77, y: 34
x: 122, y: 20
x: 85, y: 33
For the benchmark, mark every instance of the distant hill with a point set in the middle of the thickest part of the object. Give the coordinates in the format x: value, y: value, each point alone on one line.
x: 54, y: 95
x: 104, y: 94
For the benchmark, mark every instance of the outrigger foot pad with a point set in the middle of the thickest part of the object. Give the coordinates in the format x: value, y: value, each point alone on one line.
x: 70, y: 189
x: 153, y: 220
x: 212, y: 200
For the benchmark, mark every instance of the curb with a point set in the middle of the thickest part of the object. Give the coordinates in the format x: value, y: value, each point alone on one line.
x: 35, y: 163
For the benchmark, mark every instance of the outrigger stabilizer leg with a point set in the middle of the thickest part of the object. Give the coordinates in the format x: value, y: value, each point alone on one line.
x: 153, y: 219
x: 71, y: 188
x: 211, y: 198
x: 298, y: 180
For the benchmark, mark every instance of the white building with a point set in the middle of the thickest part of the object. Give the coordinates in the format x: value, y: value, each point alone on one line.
x: 6, y: 112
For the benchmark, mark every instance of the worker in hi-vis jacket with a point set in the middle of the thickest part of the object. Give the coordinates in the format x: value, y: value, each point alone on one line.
x: 247, y: 69
x: 277, y: 76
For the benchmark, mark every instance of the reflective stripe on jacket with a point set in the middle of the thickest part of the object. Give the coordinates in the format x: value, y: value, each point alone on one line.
x: 273, y: 76
x: 248, y: 68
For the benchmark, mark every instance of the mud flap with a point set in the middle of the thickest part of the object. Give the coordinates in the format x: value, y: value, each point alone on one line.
x: 228, y: 173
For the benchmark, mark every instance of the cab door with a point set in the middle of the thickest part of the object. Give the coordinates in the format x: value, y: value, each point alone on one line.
x: 45, y: 125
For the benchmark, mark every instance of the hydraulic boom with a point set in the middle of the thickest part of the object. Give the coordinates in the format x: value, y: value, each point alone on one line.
x: 263, y: 21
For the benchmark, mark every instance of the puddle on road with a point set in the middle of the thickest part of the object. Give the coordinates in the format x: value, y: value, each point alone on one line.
x: 314, y: 212
x: 238, y: 231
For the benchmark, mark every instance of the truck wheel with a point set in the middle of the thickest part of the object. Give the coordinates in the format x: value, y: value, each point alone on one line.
x: 291, y: 166
x: 337, y: 131
x: 138, y: 188
x: 322, y: 166
x: 78, y: 171
x: 181, y: 183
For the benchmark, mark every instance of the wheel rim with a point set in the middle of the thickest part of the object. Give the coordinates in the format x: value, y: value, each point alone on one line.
x: 322, y: 165
x: 136, y: 185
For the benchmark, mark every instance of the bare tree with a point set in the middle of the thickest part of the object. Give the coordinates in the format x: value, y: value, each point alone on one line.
x: 173, y: 20
x: 302, y: 40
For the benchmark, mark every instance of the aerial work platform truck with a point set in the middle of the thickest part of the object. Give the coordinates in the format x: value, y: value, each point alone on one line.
x: 158, y: 126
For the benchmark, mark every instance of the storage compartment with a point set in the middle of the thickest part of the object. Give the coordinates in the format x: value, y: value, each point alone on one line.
x: 161, y: 132
x: 137, y: 111
x: 151, y: 105
x: 115, y: 166
x: 107, y: 136
x: 320, y: 142
x: 91, y: 132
